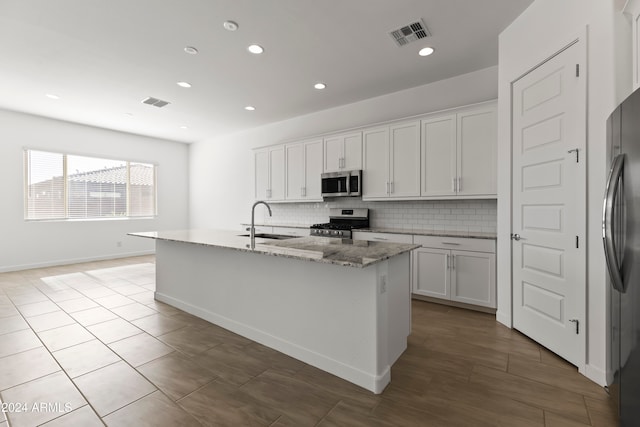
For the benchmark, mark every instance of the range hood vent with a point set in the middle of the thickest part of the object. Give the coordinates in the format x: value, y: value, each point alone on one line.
x: 155, y: 102
x: 410, y: 33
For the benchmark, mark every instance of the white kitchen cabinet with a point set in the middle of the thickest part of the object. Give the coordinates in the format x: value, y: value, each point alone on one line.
x: 456, y: 269
x: 270, y: 173
x: 343, y: 152
x: 431, y: 273
x: 459, y: 153
x: 303, y: 169
x: 391, y: 161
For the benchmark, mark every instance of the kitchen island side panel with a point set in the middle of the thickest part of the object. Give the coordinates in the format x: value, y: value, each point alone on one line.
x: 330, y: 316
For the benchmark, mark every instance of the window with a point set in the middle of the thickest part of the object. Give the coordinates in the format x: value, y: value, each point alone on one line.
x: 65, y: 186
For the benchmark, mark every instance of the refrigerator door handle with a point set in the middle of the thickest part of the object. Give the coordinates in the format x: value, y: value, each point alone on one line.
x: 608, y: 223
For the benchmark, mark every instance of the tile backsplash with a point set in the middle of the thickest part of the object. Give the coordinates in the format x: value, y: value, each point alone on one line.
x: 437, y: 215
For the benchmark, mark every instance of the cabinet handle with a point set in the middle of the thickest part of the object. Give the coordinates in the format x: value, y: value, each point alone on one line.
x: 453, y: 262
x: 459, y: 184
x: 451, y: 243
x: 379, y: 238
x: 453, y: 185
x: 387, y: 187
x: 448, y: 266
x: 392, y: 187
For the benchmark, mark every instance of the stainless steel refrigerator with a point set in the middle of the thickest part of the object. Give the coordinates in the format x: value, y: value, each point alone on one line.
x: 621, y: 236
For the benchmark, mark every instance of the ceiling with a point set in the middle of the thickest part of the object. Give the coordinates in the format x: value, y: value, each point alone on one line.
x: 102, y: 58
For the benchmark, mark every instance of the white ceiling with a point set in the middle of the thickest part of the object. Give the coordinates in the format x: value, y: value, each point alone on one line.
x: 103, y: 57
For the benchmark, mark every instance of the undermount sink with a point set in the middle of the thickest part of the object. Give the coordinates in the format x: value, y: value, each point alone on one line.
x: 270, y: 236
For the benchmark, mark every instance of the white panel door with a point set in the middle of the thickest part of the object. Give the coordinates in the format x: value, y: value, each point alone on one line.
x: 439, y: 156
x: 276, y: 173
x: 473, y: 278
x: 404, y: 147
x: 375, y: 171
x: 313, y: 168
x: 431, y: 272
x: 333, y: 152
x: 352, y: 159
x: 477, y: 152
x: 261, y: 158
x: 549, y: 204
x: 294, y: 172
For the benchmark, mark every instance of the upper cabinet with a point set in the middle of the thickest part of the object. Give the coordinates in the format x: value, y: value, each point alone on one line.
x: 446, y: 155
x: 459, y: 154
x: 303, y: 169
x: 343, y: 152
x: 391, y: 161
x: 270, y: 173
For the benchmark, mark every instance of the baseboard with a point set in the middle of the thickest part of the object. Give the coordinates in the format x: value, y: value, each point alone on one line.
x: 374, y: 383
x: 480, y: 308
x: 597, y: 375
x: 8, y: 268
x: 504, y: 318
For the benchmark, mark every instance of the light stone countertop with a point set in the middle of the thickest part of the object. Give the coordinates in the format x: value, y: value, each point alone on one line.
x: 440, y: 233
x: 278, y: 225
x: 348, y: 253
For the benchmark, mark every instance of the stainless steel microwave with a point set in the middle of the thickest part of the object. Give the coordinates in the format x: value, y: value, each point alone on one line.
x: 340, y: 184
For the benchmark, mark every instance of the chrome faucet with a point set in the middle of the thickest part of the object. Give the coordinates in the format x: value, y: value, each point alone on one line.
x: 252, y: 230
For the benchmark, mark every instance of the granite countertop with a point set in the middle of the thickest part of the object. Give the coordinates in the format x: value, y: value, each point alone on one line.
x: 348, y: 253
x: 441, y: 233
x: 277, y: 225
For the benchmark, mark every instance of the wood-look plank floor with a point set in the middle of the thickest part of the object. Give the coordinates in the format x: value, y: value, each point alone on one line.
x: 92, y: 335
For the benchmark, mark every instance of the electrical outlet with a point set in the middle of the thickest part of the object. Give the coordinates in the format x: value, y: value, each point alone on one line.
x: 383, y: 284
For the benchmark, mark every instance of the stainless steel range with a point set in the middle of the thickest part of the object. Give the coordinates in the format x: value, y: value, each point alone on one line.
x: 341, y: 222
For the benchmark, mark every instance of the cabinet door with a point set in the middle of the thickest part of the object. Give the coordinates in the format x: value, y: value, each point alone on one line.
x: 439, y: 156
x: 477, y: 152
x: 313, y: 169
x: 473, y: 278
x: 276, y: 173
x: 431, y: 272
x: 375, y: 171
x: 404, y: 171
x: 261, y: 158
x: 295, y: 172
x: 352, y: 151
x: 333, y: 149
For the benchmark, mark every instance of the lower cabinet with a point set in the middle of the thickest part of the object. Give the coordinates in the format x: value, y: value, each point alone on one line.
x: 466, y: 274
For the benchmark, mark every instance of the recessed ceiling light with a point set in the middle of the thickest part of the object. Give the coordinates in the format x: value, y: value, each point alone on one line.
x: 319, y: 86
x: 191, y: 50
x: 128, y: 114
x: 183, y: 127
x: 255, y: 49
x: 52, y: 96
x: 425, y: 51
x: 250, y: 108
x: 184, y: 84
x: 230, y: 25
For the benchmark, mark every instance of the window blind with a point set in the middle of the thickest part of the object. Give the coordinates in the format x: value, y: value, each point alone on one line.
x: 66, y: 186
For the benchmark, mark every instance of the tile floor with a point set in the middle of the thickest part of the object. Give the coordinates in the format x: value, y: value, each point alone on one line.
x: 87, y: 344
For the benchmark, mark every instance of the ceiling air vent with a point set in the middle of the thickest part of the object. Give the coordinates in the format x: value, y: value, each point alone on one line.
x: 410, y: 33
x: 155, y: 102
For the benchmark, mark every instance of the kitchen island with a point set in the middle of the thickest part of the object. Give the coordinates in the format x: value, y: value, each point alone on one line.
x: 341, y: 306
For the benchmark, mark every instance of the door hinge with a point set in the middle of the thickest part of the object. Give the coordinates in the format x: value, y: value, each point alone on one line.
x: 577, y: 322
x: 577, y: 70
x: 577, y: 242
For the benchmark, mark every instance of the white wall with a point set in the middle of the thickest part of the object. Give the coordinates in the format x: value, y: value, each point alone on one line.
x: 34, y: 244
x: 543, y: 29
x: 222, y: 169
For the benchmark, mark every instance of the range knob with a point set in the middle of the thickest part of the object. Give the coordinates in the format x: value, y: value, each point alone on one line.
x: 326, y: 231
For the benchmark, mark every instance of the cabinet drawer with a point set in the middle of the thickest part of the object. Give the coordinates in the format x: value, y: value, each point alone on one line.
x: 456, y: 243
x: 383, y: 237
x: 291, y: 231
